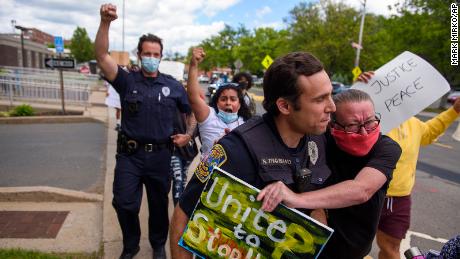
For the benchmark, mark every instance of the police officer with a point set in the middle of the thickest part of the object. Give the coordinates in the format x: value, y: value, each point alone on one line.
x: 149, y: 100
x: 280, y: 146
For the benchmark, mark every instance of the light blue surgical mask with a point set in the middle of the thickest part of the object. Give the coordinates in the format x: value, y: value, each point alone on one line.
x: 227, y: 117
x: 150, y: 64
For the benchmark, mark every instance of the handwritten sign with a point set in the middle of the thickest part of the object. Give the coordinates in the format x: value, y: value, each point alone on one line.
x: 228, y: 222
x: 402, y: 88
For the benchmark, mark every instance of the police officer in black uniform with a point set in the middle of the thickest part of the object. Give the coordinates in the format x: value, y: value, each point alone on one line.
x: 149, y: 100
x: 283, y: 145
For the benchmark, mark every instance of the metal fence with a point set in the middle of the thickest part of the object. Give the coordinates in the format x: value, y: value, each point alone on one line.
x: 43, y: 85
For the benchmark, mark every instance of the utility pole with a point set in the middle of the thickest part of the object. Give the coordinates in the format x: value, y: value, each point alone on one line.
x: 358, y: 50
x: 13, y: 24
x: 123, y: 28
x: 23, y: 51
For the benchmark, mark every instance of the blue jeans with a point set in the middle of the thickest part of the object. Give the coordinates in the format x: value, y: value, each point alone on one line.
x: 179, y: 168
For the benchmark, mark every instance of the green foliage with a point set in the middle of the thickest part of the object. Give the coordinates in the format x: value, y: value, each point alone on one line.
x: 81, y: 47
x: 18, y: 254
x: 22, y: 110
x: 254, y: 47
x: 21, y: 254
x: 4, y: 114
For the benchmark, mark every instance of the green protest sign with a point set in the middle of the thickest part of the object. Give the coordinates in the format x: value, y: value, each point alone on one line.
x: 227, y: 222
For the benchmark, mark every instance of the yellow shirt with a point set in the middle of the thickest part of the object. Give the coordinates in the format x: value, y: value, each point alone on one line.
x: 410, y: 135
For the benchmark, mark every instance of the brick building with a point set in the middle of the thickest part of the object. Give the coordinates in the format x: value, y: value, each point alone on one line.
x: 11, y: 51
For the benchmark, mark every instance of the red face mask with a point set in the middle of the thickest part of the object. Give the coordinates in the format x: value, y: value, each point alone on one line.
x: 355, y: 144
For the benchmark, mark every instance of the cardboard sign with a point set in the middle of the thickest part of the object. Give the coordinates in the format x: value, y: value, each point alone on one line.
x: 402, y: 88
x: 227, y: 222
x: 121, y: 57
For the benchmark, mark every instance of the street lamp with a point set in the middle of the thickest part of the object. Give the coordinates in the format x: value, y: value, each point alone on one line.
x: 23, y: 29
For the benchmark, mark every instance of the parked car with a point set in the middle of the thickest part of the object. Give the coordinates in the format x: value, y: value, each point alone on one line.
x: 338, y: 87
x: 203, y: 79
x: 453, y: 96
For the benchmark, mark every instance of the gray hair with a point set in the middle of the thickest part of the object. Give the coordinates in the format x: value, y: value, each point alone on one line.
x: 351, y: 96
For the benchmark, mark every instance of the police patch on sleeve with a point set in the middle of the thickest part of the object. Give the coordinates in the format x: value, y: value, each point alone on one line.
x: 215, y: 157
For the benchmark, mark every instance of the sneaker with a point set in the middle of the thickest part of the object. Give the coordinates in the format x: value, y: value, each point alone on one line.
x: 130, y: 255
x: 159, y: 253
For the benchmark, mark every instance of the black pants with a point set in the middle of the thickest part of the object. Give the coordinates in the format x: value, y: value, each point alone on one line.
x: 131, y: 171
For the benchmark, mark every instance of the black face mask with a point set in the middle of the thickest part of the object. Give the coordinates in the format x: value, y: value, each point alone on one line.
x: 243, y: 85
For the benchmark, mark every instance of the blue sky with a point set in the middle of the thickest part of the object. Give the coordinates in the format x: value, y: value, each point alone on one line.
x: 254, y: 13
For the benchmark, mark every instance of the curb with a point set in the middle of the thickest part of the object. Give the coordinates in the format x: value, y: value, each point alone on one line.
x: 48, y: 119
x: 46, y: 194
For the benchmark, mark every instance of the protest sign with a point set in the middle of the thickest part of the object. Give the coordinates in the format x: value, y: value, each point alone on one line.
x: 402, y: 88
x: 173, y: 68
x: 228, y: 222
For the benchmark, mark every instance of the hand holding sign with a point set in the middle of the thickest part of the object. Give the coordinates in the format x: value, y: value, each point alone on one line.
x: 402, y: 88
x: 275, y: 193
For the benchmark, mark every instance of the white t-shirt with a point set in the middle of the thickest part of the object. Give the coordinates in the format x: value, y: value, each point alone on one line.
x: 113, y: 99
x: 213, y: 128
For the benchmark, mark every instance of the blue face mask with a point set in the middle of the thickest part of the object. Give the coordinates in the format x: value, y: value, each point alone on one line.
x: 227, y: 117
x: 150, y: 64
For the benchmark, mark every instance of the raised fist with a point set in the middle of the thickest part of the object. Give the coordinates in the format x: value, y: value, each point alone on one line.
x: 198, y: 55
x: 108, y: 12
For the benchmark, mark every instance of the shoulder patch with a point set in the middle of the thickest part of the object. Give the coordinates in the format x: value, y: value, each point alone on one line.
x: 215, y: 157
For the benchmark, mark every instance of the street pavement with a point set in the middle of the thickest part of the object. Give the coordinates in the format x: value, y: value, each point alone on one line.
x: 65, y: 155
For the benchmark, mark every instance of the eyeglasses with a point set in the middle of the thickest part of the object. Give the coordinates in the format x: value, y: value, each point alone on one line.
x: 369, y: 126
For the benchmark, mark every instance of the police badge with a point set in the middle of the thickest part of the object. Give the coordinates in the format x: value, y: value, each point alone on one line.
x: 166, y: 91
x: 313, y: 152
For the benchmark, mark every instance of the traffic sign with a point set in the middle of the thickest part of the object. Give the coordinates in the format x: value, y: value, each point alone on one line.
x: 267, y: 61
x: 238, y: 64
x: 59, y: 63
x: 356, y: 72
x: 59, y: 44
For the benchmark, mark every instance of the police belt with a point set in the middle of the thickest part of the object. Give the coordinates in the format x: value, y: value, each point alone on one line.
x: 130, y: 145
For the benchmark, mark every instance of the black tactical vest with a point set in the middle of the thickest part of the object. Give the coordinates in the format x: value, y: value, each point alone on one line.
x: 273, y: 160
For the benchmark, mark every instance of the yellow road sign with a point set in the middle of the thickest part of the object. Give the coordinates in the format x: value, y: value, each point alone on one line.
x: 356, y: 72
x: 267, y: 61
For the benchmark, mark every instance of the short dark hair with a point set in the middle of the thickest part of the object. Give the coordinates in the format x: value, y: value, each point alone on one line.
x: 280, y: 80
x: 244, y: 111
x: 238, y: 76
x: 152, y: 38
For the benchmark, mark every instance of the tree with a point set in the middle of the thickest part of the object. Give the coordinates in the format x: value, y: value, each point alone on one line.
x: 81, y: 47
x: 253, y: 48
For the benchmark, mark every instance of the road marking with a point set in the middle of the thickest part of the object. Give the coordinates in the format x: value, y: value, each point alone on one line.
x: 405, y: 243
x: 443, y: 145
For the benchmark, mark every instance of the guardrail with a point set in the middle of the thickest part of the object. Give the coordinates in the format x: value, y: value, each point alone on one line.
x: 43, y: 85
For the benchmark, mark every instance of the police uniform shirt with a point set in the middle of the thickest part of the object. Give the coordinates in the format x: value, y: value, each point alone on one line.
x: 149, y: 105
x: 233, y: 156
x: 355, y: 226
